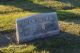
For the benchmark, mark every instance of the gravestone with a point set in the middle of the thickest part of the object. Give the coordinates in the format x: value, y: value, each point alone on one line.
x: 36, y: 26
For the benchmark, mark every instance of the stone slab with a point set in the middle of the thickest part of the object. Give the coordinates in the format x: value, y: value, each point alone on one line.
x: 36, y: 26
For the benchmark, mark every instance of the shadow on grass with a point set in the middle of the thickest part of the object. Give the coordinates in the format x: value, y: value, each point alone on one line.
x: 57, y: 44
x: 62, y: 43
x: 75, y: 3
x: 68, y: 16
x: 33, y: 7
x: 7, y: 37
x: 26, y: 6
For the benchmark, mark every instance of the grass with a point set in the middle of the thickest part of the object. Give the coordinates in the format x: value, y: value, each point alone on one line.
x: 8, y: 20
x: 58, y: 5
x: 68, y: 41
x: 65, y: 42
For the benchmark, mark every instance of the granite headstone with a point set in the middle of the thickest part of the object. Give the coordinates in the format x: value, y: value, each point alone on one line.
x: 36, y: 26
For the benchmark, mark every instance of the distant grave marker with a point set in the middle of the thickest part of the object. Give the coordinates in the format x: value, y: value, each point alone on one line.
x: 36, y: 26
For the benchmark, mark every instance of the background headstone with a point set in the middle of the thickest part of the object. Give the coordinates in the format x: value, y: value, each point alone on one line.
x: 36, y: 26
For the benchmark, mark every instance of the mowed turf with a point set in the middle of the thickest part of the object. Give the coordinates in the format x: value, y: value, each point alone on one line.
x: 68, y: 41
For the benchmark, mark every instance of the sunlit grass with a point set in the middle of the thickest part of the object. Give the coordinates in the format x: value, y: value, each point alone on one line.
x: 19, y: 49
x: 7, y: 9
x: 22, y: 49
x: 9, y: 20
x: 57, y: 5
x: 70, y: 27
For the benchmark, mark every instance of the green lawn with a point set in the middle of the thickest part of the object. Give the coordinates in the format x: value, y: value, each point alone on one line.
x: 68, y: 41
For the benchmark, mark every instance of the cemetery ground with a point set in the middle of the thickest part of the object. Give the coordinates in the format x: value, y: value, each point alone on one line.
x: 68, y: 41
